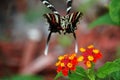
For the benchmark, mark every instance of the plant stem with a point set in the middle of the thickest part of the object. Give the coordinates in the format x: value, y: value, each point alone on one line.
x: 91, y: 73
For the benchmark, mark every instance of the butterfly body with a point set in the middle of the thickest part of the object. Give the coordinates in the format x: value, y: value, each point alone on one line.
x: 63, y: 24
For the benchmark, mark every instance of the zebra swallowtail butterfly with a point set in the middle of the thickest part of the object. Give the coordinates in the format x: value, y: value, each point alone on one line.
x: 61, y: 24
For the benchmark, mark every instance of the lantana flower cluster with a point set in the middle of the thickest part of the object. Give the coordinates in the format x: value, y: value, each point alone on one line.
x: 68, y: 62
x: 89, y: 55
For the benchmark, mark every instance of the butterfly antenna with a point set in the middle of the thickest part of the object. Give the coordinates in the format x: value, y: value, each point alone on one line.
x: 69, y: 6
x: 50, y: 6
x: 47, y: 44
x: 76, y: 45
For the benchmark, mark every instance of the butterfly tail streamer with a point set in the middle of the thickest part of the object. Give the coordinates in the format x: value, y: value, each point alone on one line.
x: 47, y: 44
x: 50, y: 6
x: 46, y: 49
x: 76, y: 44
x: 76, y: 47
x: 69, y: 6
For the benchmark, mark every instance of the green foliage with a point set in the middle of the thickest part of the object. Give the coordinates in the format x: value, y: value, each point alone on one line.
x: 105, y: 19
x: 110, y: 71
x: 117, y: 61
x: 114, y: 12
x: 81, y: 71
x: 58, y: 75
x: 23, y: 77
x: 112, y: 17
x: 116, y: 75
x: 91, y: 74
x: 107, y: 69
x: 79, y: 74
x: 75, y: 76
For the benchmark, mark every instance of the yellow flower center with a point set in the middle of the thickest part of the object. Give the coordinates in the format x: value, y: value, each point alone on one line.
x: 62, y: 64
x: 96, y: 51
x: 82, y: 49
x: 90, y: 46
x: 80, y: 58
x: 90, y: 58
x: 69, y: 65
x: 88, y: 64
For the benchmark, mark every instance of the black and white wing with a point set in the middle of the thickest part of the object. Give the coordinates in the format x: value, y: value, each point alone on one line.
x: 73, y: 19
x: 54, y: 22
x: 50, y: 6
x: 69, y: 6
x: 54, y: 26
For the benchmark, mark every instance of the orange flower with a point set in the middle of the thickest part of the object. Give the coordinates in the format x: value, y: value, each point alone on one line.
x: 67, y: 63
x: 89, y: 55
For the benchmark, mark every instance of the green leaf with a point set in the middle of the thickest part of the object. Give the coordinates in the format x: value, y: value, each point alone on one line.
x: 114, y: 12
x: 78, y: 74
x: 91, y: 74
x: 103, y: 20
x: 117, y: 61
x: 74, y: 76
x: 58, y: 75
x: 107, y: 69
x: 80, y: 71
x: 116, y: 75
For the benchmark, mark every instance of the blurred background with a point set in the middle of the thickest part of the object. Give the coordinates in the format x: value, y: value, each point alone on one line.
x: 24, y: 31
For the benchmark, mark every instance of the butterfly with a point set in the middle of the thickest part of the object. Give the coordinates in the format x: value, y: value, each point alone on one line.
x: 61, y: 24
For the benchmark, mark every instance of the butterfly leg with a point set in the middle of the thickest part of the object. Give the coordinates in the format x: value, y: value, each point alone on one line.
x: 76, y: 45
x: 47, y: 44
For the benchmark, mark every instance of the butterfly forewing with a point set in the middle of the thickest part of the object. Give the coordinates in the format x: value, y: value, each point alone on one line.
x: 54, y: 22
x: 73, y: 19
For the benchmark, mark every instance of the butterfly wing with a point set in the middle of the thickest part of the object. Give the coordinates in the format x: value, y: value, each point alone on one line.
x: 50, y: 6
x: 54, y: 26
x: 54, y: 22
x: 74, y: 19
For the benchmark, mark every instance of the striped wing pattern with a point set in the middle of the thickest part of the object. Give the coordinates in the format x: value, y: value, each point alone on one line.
x: 69, y: 4
x: 73, y: 19
x: 50, y: 6
x: 54, y: 22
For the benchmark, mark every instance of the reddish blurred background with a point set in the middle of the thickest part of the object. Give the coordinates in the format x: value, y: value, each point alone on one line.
x: 23, y: 34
